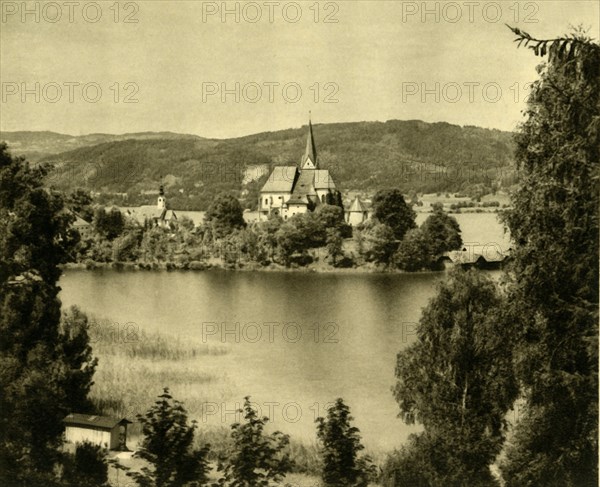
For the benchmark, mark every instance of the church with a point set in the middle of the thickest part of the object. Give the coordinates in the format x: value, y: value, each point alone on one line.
x: 154, y: 215
x: 292, y: 190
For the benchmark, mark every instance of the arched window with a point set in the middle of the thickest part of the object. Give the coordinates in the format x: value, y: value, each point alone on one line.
x: 266, y: 201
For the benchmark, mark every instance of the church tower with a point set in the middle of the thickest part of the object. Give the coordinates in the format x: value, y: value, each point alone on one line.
x: 162, y: 201
x: 309, y: 160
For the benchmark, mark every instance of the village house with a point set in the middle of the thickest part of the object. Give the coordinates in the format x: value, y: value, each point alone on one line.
x: 293, y: 190
x: 104, y: 431
x: 82, y: 226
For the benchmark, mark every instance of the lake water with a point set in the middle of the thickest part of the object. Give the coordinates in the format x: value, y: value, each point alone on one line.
x: 297, y: 340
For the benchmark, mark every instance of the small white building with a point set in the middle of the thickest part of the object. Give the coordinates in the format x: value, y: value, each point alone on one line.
x: 357, y: 213
x: 104, y: 431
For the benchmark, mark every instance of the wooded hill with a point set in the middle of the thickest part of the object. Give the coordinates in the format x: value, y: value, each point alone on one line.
x: 365, y: 156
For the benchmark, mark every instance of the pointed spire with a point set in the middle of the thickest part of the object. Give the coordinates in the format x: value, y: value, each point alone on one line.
x: 311, y: 150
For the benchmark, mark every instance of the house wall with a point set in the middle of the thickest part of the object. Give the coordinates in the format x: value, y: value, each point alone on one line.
x: 322, y: 195
x: 356, y: 217
x: 272, y: 200
x: 78, y: 434
x: 294, y: 210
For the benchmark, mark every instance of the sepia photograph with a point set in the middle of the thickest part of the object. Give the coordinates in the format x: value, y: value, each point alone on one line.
x: 310, y: 243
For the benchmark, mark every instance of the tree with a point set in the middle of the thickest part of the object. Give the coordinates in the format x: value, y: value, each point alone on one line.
x: 86, y: 467
x: 553, y: 292
x: 289, y: 241
x: 456, y: 380
x: 255, y: 460
x: 379, y: 244
x: 168, y: 447
x: 78, y: 362
x: 414, y: 252
x: 224, y: 215
x: 390, y: 209
x: 442, y: 231
x: 109, y: 224
x: 331, y: 216
x: 340, y: 447
x: 411, y: 465
x: 80, y: 202
x: 334, y: 244
x: 36, y: 379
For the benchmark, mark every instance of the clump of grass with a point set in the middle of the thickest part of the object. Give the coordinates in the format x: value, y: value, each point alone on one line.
x: 128, y: 339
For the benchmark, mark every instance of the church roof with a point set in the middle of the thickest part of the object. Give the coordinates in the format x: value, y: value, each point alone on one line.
x: 281, y: 180
x: 358, y: 206
x: 150, y: 212
x: 323, y: 179
x: 311, y: 149
x: 305, y: 184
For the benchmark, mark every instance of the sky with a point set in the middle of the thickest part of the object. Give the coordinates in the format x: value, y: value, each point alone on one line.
x: 226, y: 69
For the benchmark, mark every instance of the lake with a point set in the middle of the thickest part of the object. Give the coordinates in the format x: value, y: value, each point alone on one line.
x: 296, y: 340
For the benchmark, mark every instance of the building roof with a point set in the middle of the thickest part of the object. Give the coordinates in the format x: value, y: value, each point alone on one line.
x: 281, y: 180
x: 357, y: 206
x: 296, y: 201
x: 490, y: 255
x: 323, y: 180
x: 149, y: 212
x: 92, y: 421
x: 311, y: 149
x: 305, y: 184
x: 80, y: 222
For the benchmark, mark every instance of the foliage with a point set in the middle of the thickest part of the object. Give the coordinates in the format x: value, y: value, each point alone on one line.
x: 377, y: 243
x: 87, y: 467
x: 42, y: 363
x: 390, y: 209
x: 340, y: 447
x: 441, y: 231
x: 168, y: 447
x: 79, y: 363
x: 224, y: 215
x: 255, y: 460
x: 456, y: 379
x: 414, y: 252
x: 80, y: 202
x: 109, y: 224
x: 334, y: 244
x: 553, y: 283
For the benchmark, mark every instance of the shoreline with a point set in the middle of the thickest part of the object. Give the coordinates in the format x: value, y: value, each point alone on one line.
x: 201, y: 266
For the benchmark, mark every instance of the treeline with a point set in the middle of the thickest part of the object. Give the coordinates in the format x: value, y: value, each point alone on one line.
x: 529, y: 344
x: 389, y: 240
x: 253, y: 458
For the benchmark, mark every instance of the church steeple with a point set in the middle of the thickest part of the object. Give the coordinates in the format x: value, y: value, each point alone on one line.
x: 162, y: 201
x: 309, y: 160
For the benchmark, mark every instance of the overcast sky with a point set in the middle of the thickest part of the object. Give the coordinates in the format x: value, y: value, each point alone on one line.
x: 352, y: 61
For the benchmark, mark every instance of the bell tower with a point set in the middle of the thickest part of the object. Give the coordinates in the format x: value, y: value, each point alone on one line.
x: 162, y: 201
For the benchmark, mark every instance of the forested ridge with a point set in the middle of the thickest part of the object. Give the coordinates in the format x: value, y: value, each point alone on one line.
x: 411, y: 155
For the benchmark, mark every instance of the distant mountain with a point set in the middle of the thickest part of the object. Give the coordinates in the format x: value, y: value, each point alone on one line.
x: 37, y: 145
x: 364, y: 156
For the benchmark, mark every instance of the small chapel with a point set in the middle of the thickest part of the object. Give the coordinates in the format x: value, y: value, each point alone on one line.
x: 291, y: 190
